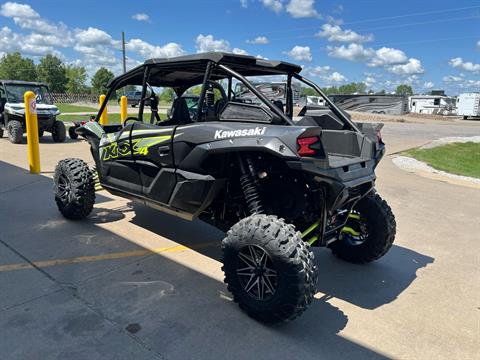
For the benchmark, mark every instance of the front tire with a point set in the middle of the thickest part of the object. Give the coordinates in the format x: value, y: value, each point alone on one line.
x: 369, y: 232
x: 15, y: 131
x: 74, y: 189
x: 269, y: 269
x: 71, y: 132
x: 59, y: 132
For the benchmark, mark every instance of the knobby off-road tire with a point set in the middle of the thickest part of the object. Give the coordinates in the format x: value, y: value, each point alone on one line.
x: 379, y: 236
x: 71, y: 132
x: 289, y: 268
x: 59, y: 133
x: 15, y: 131
x: 74, y: 189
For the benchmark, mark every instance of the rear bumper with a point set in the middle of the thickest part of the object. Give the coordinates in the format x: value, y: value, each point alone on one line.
x: 349, y: 178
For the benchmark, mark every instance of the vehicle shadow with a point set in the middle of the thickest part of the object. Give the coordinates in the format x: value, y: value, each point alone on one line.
x: 175, y: 310
x: 368, y: 286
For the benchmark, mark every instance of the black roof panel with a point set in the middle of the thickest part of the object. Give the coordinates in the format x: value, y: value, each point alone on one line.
x: 189, y: 70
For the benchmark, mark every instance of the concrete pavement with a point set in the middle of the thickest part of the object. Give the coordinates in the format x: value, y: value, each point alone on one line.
x: 160, y: 295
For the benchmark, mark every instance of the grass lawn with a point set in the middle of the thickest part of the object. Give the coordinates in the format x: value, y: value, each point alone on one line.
x: 74, y: 108
x: 455, y: 158
x: 112, y: 118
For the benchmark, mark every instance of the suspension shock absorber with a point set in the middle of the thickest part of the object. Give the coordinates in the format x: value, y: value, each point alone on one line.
x: 248, y: 181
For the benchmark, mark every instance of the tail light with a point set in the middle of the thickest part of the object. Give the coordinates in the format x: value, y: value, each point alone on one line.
x: 305, y: 145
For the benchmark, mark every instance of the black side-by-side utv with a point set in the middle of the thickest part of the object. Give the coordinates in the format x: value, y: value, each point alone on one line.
x: 12, y: 111
x: 277, y: 183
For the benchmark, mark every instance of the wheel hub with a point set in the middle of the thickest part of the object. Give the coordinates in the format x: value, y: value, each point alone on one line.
x: 64, y: 188
x: 256, y: 273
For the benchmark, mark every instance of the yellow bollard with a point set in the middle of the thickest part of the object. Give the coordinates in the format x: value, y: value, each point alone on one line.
x: 32, y: 132
x: 104, y: 114
x: 123, y: 108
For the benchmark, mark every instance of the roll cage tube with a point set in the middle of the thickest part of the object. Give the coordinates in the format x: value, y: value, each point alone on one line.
x: 146, y: 74
x: 254, y: 90
x: 201, y: 99
x: 335, y: 109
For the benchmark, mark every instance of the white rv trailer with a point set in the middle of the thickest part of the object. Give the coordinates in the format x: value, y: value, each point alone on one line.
x: 375, y: 104
x: 468, y: 105
x: 432, y: 104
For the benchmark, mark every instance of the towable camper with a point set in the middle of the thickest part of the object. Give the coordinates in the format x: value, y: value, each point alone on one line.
x: 468, y: 105
x: 432, y: 104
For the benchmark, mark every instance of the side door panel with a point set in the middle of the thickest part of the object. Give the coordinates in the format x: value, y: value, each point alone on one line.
x: 117, y: 166
x: 152, y: 152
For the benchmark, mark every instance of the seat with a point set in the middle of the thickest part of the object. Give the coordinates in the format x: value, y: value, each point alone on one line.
x: 180, y: 114
x: 279, y: 104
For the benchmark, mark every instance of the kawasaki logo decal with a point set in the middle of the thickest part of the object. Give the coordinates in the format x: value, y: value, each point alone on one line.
x: 225, y: 134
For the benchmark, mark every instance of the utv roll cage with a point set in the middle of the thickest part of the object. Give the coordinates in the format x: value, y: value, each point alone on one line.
x: 183, y: 72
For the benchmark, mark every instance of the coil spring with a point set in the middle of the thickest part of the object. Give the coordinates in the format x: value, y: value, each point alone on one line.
x: 250, y: 191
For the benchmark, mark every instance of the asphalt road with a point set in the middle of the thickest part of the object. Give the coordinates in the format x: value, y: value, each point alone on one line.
x: 133, y: 283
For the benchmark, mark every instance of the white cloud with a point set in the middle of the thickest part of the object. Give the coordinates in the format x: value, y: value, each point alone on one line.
x: 239, y: 51
x: 302, y: 8
x: 9, y: 41
x: 388, y: 56
x: 452, y: 78
x: 428, y: 85
x: 478, y: 44
x: 317, y: 70
x: 369, y: 80
x: 336, y: 33
x: 274, y: 5
x: 24, y: 16
x: 259, y: 40
x: 413, y: 66
x: 147, y: 50
x: 206, y: 43
x: 92, y: 36
x: 12, y: 9
x: 464, y: 65
x: 244, y: 3
x: 352, y: 52
x: 336, y: 77
x: 300, y: 53
x: 141, y: 17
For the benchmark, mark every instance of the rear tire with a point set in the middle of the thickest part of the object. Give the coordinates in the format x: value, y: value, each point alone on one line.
x: 40, y: 133
x: 59, y: 132
x: 71, y: 132
x: 1, y: 133
x: 379, y: 227
x: 15, y: 131
x: 74, y: 189
x: 281, y: 268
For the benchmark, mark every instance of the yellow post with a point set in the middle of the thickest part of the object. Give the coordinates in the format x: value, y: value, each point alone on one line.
x: 123, y: 108
x: 32, y: 132
x: 104, y: 114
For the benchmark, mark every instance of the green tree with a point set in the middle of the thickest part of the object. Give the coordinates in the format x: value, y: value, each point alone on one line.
x: 352, y: 88
x: 100, y: 80
x: 76, y: 77
x: 15, y: 67
x: 381, y: 92
x: 52, y: 71
x: 167, y: 95
x: 404, y: 90
x: 308, y: 91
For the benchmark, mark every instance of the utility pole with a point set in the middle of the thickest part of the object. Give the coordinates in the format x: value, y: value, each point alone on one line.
x: 123, y: 52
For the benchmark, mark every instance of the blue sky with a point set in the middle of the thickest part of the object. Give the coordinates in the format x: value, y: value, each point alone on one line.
x: 428, y: 44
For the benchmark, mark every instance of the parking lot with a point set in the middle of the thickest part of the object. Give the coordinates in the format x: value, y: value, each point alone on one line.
x: 133, y: 283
